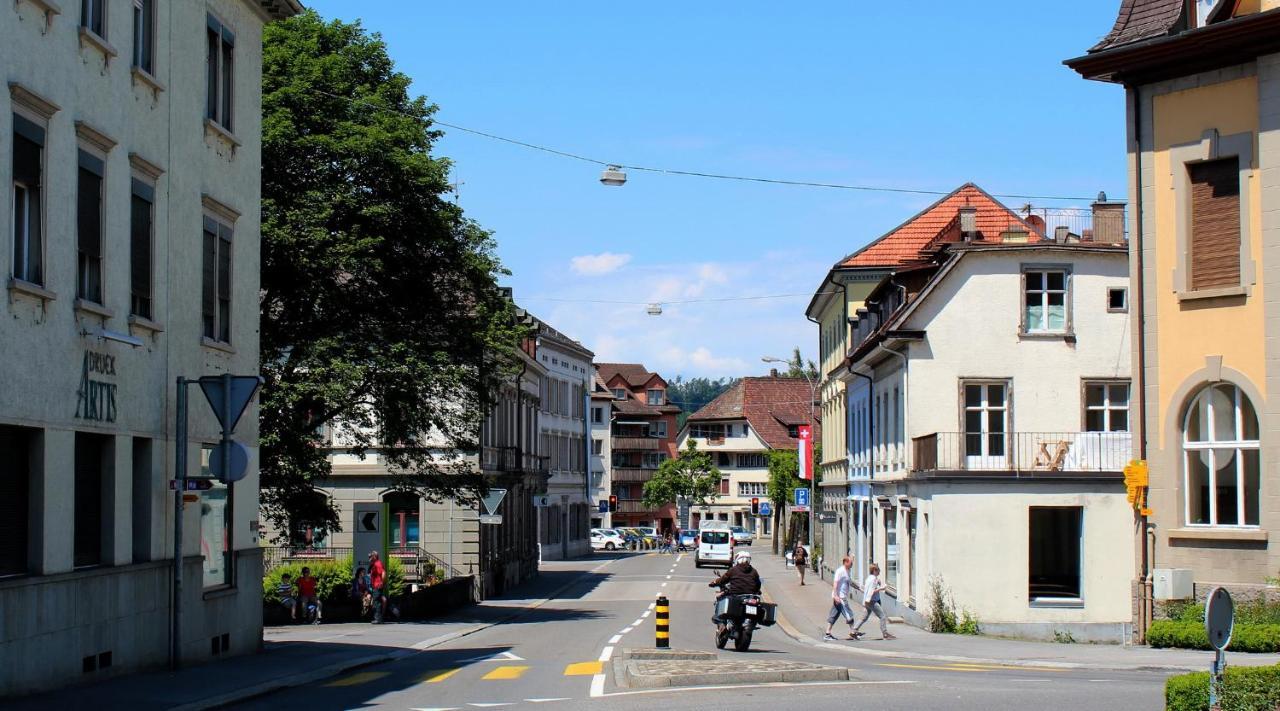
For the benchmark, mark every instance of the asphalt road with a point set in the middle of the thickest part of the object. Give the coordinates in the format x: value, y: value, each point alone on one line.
x: 555, y: 656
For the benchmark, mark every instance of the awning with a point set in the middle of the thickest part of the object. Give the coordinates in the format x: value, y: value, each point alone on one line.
x: 630, y: 422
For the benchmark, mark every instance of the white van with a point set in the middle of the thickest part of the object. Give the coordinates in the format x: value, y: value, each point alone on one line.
x: 715, y: 547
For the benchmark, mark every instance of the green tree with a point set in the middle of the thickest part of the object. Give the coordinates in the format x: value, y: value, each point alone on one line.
x: 381, y: 317
x: 784, y: 477
x: 798, y: 367
x: 691, y: 475
x: 691, y: 395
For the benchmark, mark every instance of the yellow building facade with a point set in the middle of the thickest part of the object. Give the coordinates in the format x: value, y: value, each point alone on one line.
x: 1202, y: 82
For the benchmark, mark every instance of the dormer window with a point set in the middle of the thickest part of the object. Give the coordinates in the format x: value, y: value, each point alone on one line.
x: 619, y: 394
x: 654, y: 396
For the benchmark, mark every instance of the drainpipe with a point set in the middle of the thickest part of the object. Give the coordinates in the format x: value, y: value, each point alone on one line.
x: 1137, y: 304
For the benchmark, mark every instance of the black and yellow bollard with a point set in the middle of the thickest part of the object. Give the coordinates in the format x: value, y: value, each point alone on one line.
x: 662, y: 620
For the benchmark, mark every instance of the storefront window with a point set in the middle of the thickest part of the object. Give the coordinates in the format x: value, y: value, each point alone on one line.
x: 891, y: 548
x: 215, y: 527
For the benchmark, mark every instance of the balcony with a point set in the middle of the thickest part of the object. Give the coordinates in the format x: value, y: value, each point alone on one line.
x: 645, y: 444
x: 632, y: 506
x: 632, y: 474
x: 510, y: 460
x: 1022, y: 452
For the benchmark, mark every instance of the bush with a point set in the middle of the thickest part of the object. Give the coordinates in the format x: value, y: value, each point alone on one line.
x: 333, y: 579
x: 1191, y: 635
x: 968, y: 623
x: 943, y: 617
x: 1261, y: 611
x: 1243, y: 689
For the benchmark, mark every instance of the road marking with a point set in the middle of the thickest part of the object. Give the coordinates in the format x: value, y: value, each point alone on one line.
x: 439, y: 675
x: 361, y: 678
x: 762, y: 685
x: 652, y: 605
x: 597, y: 685
x: 932, y: 668
x: 606, y: 653
x: 505, y: 673
x: 543, y: 701
x: 584, y: 669
x: 1007, y: 667
x: 639, y: 622
x: 627, y: 629
x: 616, y: 638
x: 493, y: 705
x: 646, y: 612
x: 435, y: 708
x: 499, y: 657
x: 668, y: 577
x: 664, y: 584
x: 680, y: 557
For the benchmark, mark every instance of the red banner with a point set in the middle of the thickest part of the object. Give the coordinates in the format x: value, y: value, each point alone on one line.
x: 805, y: 452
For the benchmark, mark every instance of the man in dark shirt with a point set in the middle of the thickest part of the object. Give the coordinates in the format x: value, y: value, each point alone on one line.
x: 741, y: 579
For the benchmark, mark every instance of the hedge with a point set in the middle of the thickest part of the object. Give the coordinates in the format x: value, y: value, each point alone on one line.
x: 333, y: 579
x: 1260, y: 611
x: 1191, y: 635
x: 1243, y: 689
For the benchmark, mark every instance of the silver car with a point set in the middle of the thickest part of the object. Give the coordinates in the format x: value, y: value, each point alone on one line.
x: 741, y: 536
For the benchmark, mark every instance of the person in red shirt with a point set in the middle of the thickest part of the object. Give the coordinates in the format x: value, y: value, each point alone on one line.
x: 307, y: 594
x: 378, y: 582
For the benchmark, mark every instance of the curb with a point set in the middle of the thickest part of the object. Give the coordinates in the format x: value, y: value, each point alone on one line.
x: 315, y: 675
x: 802, y: 638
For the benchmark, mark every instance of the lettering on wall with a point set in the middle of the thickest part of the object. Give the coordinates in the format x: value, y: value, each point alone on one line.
x: 96, y: 399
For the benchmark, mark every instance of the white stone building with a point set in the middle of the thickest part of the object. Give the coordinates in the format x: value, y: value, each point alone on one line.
x: 563, y: 431
x: 130, y: 145
x: 601, y: 452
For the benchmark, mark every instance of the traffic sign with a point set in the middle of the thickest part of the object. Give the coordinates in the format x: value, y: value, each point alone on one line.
x: 799, y: 509
x: 239, y: 461
x: 494, y: 500
x: 1219, y: 618
x: 240, y: 388
x: 545, y: 501
x: 766, y: 509
x: 192, y: 484
x: 492, y: 519
x: 827, y: 516
x: 802, y: 497
x: 602, y: 506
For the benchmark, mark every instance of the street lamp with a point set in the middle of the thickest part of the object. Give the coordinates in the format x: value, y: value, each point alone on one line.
x: 813, y: 395
x: 613, y: 175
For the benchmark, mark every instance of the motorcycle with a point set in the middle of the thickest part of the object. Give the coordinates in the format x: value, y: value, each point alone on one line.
x: 741, y: 614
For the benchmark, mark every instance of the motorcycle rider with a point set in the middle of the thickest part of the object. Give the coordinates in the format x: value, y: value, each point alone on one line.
x: 741, y: 579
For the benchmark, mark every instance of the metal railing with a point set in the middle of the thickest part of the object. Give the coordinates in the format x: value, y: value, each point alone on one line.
x: 416, y: 561
x: 1022, y: 451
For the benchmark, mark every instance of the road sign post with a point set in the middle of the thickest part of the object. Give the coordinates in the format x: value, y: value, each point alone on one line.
x: 1219, y: 622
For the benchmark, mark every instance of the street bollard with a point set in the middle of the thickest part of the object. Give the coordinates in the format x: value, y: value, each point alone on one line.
x: 662, y: 626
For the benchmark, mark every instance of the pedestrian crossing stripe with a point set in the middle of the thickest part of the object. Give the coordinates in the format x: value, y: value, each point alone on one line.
x: 361, y: 678
x: 439, y: 675
x: 584, y: 669
x: 508, y: 672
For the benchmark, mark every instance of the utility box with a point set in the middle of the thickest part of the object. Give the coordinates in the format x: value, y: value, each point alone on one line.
x: 1172, y: 584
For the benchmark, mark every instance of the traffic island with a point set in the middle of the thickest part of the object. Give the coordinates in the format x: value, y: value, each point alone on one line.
x: 652, y: 669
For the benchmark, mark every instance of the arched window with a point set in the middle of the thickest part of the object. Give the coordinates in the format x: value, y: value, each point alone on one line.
x: 304, y: 531
x: 1221, y: 460
x: 404, y: 511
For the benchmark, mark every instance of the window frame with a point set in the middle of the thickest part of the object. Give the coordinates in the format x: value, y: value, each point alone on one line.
x: 1211, y: 446
x: 143, y: 54
x: 1068, y: 323
x: 144, y: 190
x: 88, y: 7
x: 1106, y: 408
x: 652, y: 400
x: 1211, y: 146
x: 223, y: 234
x: 92, y: 162
x: 1072, y: 601
x: 36, y: 132
x: 1124, y: 297
x: 219, y: 73
x: 658, y: 429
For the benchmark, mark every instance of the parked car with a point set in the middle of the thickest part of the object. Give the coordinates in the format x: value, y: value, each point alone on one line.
x: 648, y: 532
x: 631, y: 536
x: 741, y: 536
x: 715, y: 547
x: 606, y: 539
x: 688, y: 540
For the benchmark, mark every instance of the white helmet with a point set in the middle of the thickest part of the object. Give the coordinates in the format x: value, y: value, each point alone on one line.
x: 742, y: 557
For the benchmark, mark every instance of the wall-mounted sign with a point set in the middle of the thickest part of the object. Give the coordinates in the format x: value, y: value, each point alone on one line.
x: 96, y: 398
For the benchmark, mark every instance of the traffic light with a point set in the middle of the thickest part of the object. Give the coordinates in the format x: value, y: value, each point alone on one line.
x: 613, y: 503
x: 755, y: 506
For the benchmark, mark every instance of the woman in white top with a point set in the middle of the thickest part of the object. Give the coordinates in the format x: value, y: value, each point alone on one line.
x: 871, y: 590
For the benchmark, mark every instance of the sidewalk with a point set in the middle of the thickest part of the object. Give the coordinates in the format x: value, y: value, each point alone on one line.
x: 297, y: 655
x: 802, y: 614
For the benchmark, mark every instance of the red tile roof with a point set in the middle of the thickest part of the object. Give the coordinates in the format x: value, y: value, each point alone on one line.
x: 768, y: 404
x: 906, y: 243
x: 1140, y: 20
x: 635, y: 374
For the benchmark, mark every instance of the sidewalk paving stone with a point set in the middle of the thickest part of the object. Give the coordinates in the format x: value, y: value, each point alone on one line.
x: 802, y: 613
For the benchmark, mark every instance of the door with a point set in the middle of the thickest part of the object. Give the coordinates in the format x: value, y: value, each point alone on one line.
x: 986, y: 430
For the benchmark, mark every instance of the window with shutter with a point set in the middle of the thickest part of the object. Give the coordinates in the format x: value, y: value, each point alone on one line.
x: 1215, y: 223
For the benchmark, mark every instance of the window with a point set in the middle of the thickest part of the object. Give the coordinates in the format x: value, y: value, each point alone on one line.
x: 891, y: 549
x: 658, y: 429
x: 28, y: 203
x: 1222, y: 460
x: 597, y: 415
x: 751, y: 488
x: 90, y: 458
x: 707, y: 431
x: 1106, y: 407
x: 746, y: 430
x: 1117, y: 299
x: 219, y: 66
x: 141, y: 229
x: 1053, y: 565
x: 1045, y: 301
x: 722, y: 459
x: 93, y: 16
x: 216, y: 281
x: 89, y: 228
x: 597, y: 447
x: 215, y: 527
x: 724, y: 486
x: 754, y: 460
x: 653, y: 460
x: 619, y: 394
x: 144, y: 36
x: 1215, y: 223
x: 15, y: 487
x: 985, y: 425
x: 141, y: 496
x: 404, y: 511
x: 653, y: 396
x: 793, y: 431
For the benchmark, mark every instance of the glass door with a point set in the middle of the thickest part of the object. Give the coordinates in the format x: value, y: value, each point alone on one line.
x: 986, y: 425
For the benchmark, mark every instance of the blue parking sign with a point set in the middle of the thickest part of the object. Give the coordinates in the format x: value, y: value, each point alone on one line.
x: 802, y: 497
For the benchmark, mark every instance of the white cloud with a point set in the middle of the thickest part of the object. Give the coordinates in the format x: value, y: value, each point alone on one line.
x: 598, y: 264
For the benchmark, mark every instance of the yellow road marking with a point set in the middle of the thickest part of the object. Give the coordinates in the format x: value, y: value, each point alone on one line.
x: 1006, y: 667
x: 506, y: 672
x: 361, y: 678
x: 439, y: 675
x: 584, y: 669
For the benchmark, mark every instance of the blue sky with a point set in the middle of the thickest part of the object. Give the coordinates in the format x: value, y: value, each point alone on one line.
x: 851, y: 93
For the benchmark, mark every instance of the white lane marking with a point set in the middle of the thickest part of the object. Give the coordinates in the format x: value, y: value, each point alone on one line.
x: 597, y: 685
x: 606, y: 653
x: 653, y: 605
x: 627, y: 629
x: 664, y: 584
x: 646, y: 614
x: 615, y: 639
x: 435, y: 708
x: 499, y: 657
x: 493, y: 704
x: 543, y: 701
x: 765, y: 685
x: 668, y: 577
x: 638, y: 622
x: 680, y: 557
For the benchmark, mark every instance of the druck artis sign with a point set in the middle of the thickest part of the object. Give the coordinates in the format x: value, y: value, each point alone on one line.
x: 96, y: 398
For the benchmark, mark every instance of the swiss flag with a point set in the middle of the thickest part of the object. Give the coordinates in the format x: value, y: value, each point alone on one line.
x: 805, y: 451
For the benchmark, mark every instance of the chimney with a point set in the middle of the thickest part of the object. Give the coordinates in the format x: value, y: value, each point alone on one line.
x: 1108, y: 221
x: 968, y: 222
x: 1061, y: 233
x: 773, y: 372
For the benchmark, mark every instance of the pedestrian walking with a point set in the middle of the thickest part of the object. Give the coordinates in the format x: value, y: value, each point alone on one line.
x: 801, y: 559
x: 871, y: 589
x: 377, y: 586
x: 840, y: 599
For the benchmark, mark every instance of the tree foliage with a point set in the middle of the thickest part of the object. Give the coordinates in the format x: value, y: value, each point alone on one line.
x: 798, y: 367
x: 691, y: 475
x: 784, y: 477
x: 691, y: 395
x: 381, y: 317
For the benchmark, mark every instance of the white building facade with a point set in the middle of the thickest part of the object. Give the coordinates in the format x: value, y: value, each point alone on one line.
x: 564, y: 434
x: 130, y: 252
x: 990, y: 413
x: 601, y: 453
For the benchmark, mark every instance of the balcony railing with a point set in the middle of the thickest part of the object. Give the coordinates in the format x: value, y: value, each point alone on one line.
x: 509, y: 459
x: 632, y: 474
x: 632, y: 506
x: 1023, y: 451
x: 648, y: 444
x: 417, y: 562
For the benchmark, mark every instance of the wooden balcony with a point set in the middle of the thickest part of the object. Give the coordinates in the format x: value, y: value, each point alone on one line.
x: 632, y: 474
x: 645, y: 444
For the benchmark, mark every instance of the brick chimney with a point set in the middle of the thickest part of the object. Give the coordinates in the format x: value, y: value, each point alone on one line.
x: 773, y: 372
x: 1108, y: 221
